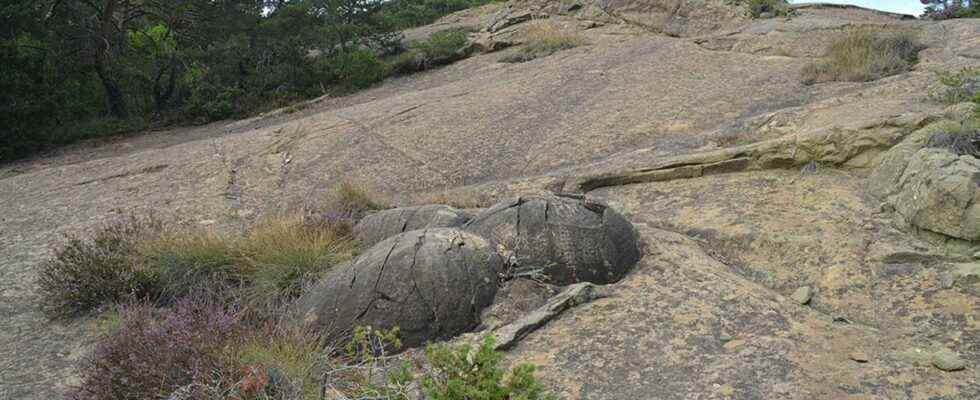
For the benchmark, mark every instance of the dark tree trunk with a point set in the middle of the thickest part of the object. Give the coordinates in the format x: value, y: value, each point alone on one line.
x: 106, y: 54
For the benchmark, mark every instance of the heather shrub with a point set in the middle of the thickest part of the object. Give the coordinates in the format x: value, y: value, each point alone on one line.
x: 545, y: 38
x: 154, y: 351
x: 86, y: 274
x: 864, y: 55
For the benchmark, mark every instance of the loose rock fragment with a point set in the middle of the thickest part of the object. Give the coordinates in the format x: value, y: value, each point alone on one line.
x: 802, y: 295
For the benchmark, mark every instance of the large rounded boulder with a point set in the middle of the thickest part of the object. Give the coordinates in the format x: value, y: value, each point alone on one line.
x: 431, y: 283
x: 569, y: 240
x: 384, y: 224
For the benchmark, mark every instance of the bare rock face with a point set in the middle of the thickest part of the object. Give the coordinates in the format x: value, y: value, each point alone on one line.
x: 941, y: 193
x: 431, y: 283
x: 570, y: 240
x: 384, y: 224
x: 931, y: 188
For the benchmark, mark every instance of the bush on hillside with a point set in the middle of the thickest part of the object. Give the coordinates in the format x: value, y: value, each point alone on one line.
x: 440, y: 48
x: 152, y: 352
x: 864, y: 55
x: 86, y: 274
x: 545, y: 38
x: 768, y: 8
x: 961, y: 139
x: 958, y: 87
x: 462, y: 372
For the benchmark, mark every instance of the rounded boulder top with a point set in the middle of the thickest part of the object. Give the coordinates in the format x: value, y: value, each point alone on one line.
x: 387, y: 223
x: 569, y: 240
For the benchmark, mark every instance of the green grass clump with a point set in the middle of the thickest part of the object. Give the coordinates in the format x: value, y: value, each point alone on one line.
x: 864, y: 55
x: 281, y: 254
x: 545, y: 38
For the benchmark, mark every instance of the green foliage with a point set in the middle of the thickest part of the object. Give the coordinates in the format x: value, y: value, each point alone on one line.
x: 70, y: 72
x: 864, y: 55
x: 283, y: 253
x: 464, y: 373
x: 86, y: 274
x: 772, y: 8
x: 960, y: 138
x: 958, y: 87
x: 357, y: 69
x: 545, y: 38
x: 440, y: 48
x: 409, y: 13
x: 189, y: 261
x: 279, y: 366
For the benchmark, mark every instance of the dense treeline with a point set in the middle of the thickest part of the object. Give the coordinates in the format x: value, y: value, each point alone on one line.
x: 73, y: 69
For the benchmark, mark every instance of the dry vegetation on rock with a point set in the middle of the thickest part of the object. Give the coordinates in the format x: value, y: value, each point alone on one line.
x: 192, y: 313
x: 544, y: 38
x: 864, y: 54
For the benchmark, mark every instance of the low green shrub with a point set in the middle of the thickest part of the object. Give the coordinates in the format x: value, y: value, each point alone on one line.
x: 960, y: 138
x: 462, y: 372
x: 441, y: 48
x: 864, y: 55
x: 545, y: 38
x: 768, y: 8
x: 357, y: 69
x: 959, y: 87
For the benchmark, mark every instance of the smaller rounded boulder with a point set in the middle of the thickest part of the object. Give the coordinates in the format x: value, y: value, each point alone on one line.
x: 570, y: 240
x: 387, y: 223
x: 430, y: 283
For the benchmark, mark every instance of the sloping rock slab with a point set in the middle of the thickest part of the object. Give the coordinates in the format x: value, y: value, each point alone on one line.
x: 430, y: 283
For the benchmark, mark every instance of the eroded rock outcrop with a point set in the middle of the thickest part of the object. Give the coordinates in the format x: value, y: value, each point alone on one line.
x: 431, y: 283
x: 387, y: 223
x: 569, y: 240
x: 930, y: 188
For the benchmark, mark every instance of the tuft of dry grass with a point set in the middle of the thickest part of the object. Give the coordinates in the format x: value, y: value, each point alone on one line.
x: 864, y: 55
x: 353, y: 199
x: 283, y: 252
x: 544, y: 38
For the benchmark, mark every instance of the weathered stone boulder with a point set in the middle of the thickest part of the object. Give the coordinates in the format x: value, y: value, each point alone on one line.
x: 571, y: 240
x: 384, y: 224
x: 431, y: 283
x: 940, y: 192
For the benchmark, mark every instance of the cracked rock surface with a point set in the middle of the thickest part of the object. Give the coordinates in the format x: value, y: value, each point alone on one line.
x: 431, y: 283
x: 570, y: 240
x: 387, y: 223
